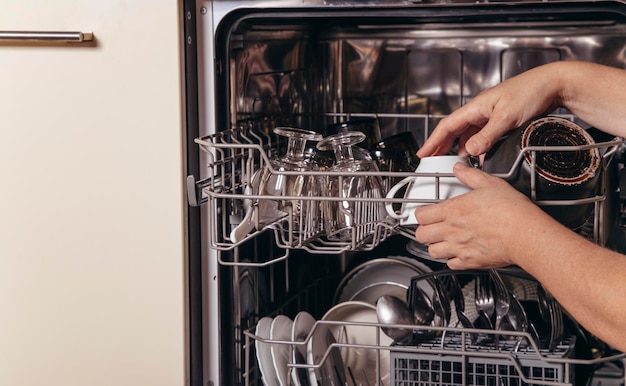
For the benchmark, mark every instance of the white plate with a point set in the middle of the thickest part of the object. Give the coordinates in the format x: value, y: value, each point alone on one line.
x: 281, y: 353
x: 331, y: 372
x: 360, y: 362
x: 302, y: 326
x: 384, y: 276
x: 264, y: 352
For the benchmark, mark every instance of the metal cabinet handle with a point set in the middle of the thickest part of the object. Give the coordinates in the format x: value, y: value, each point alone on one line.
x: 50, y: 36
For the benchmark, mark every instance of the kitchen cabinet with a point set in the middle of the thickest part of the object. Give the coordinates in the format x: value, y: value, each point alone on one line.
x: 92, y: 204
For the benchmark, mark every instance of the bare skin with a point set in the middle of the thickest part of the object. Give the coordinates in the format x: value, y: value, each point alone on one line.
x: 494, y: 225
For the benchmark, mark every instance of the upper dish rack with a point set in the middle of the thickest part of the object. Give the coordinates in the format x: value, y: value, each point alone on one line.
x: 233, y: 156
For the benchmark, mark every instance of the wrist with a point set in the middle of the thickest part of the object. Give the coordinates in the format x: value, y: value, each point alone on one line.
x: 569, y: 80
x: 556, y: 78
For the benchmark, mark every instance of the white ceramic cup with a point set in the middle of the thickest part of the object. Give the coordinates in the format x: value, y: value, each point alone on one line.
x: 424, y: 187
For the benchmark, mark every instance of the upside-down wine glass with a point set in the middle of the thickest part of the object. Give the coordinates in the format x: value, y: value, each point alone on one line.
x: 355, y: 220
x: 304, y: 212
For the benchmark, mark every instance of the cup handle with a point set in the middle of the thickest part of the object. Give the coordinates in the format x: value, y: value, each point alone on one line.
x: 391, y: 194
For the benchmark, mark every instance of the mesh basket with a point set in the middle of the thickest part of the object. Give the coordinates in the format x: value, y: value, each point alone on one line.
x: 512, y: 365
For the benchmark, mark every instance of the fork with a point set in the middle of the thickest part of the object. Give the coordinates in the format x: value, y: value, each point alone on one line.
x: 502, y: 300
x: 483, y: 297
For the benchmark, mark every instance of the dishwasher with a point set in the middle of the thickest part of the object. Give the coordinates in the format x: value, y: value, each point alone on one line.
x: 303, y: 118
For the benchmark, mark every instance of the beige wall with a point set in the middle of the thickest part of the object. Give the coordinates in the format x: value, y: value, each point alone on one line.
x: 91, y: 197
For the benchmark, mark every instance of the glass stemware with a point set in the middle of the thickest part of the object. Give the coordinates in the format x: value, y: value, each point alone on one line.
x: 303, y: 213
x: 353, y: 220
x: 370, y: 126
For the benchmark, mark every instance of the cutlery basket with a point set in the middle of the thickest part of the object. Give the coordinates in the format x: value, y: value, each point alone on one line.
x: 447, y: 362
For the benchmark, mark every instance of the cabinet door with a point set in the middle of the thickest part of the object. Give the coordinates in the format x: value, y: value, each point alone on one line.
x: 91, y: 196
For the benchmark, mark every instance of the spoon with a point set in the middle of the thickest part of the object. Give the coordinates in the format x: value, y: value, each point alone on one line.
x: 422, y: 307
x: 441, y: 303
x: 391, y: 311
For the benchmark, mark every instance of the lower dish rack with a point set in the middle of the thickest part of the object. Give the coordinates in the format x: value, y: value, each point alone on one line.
x: 352, y: 344
x: 446, y: 360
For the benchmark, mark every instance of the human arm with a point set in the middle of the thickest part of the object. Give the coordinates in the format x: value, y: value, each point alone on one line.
x: 494, y: 225
x: 594, y: 93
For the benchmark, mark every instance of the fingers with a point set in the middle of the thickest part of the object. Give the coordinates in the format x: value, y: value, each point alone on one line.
x: 464, y: 137
x: 437, y: 233
x: 499, y: 123
x: 467, y: 119
x: 470, y: 176
x: 430, y: 234
x: 478, y: 125
x: 474, y: 177
x: 441, y: 249
x: 439, y: 143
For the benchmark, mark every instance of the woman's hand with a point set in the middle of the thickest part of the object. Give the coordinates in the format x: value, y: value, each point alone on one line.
x: 482, y: 121
x: 487, y: 227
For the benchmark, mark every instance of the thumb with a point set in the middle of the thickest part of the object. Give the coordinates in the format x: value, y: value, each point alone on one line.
x: 472, y: 177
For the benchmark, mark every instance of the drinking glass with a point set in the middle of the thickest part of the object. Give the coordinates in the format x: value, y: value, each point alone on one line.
x: 353, y: 220
x: 304, y: 213
x: 370, y: 126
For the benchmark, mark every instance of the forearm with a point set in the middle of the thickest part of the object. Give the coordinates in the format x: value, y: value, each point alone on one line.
x: 588, y: 280
x: 594, y: 93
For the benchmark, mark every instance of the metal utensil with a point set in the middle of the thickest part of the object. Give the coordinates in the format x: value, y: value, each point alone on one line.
x: 518, y: 320
x: 459, y: 305
x: 551, y: 311
x: 483, y: 297
x: 533, y: 333
x: 502, y: 301
x: 392, y: 311
x: 517, y: 315
x: 441, y: 303
x: 421, y: 307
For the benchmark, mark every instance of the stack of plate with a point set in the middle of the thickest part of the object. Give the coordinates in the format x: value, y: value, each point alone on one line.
x: 355, y: 299
x: 310, y: 342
